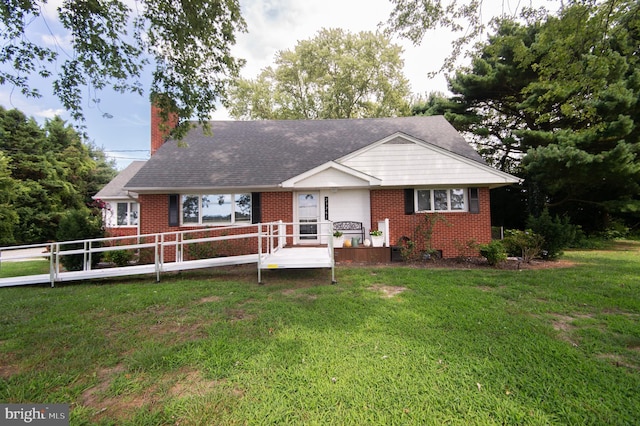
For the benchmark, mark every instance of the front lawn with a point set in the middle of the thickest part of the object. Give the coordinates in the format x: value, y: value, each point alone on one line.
x: 386, y: 345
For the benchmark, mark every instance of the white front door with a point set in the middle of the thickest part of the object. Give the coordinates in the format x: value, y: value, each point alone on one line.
x: 308, y: 209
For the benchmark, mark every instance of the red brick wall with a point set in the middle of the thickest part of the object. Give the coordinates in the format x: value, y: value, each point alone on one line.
x: 277, y: 206
x: 154, y: 215
x: 451, y: 232
x: 121, y: 232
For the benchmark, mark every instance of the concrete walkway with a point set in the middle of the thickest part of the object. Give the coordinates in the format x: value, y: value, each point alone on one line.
x: 21, y: 255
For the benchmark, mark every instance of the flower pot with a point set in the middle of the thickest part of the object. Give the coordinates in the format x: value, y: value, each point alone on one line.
x: 338, y: 242
x: 377, y: 240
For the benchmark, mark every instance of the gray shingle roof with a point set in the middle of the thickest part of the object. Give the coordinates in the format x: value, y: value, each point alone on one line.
x: 115, y: 188
x: 245, y: 154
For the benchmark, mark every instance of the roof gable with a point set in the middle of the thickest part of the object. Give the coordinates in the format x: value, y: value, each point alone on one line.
x: 401, y: 160
x: 331, y: 175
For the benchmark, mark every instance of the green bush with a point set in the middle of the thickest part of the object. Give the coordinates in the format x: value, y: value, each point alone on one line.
x: 119, y: 257
x: 78, y: 225
x: 557, y: 232
x: 494, y: 252
x: 526, y: 244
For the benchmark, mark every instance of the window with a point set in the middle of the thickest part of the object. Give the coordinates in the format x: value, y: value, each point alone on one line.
x: 127, y: 214
x: 215, y: 209
x: 443, y: 200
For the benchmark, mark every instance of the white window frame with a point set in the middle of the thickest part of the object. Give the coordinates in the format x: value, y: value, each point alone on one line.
x: 115, y: 223
x: 448, y: 190
x: 200, y: 222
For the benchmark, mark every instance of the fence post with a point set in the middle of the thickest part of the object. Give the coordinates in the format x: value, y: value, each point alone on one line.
x: 259, y: 225
x: 89, y: 255
x: 52, y: 269
x: 158, y: 261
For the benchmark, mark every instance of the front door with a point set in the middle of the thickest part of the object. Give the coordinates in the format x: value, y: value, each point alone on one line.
x: 308, y: 217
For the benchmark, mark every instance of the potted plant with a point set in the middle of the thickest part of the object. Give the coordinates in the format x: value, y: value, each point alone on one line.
x: 377, y: 240
x: 338, y: 239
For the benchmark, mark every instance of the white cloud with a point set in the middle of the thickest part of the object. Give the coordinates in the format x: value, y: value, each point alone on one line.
x: 49, y: 113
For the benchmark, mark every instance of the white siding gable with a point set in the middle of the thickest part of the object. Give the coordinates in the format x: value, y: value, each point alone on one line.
x: 399, y: 160
x: 331, y: 175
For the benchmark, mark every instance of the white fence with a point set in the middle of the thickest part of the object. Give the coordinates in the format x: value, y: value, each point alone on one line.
x: 164, y: 252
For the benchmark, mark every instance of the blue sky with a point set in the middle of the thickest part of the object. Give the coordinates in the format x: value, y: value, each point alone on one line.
x: 273, y: 25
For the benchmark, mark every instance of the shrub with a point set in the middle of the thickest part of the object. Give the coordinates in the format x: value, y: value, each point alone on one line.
x: 78, y: 225
x: 526, y: 244
x: 119, y: 257
x: 494, y: 252
x: 557, y: 232
x: 467, y: 249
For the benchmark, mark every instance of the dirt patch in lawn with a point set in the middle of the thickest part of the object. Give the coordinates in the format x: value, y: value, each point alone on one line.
x: 564, y: 325
x: 7, y: 369
x: 235, y: 315
x: 210, y: 299
x: 296, y: 294
x: 618, y: 361
x: 387, y: 290
x: 8, y: 364
x: 148, y: 393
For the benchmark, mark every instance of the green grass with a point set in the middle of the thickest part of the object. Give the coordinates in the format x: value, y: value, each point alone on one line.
x: 29, y: 267
x: 476, y: 346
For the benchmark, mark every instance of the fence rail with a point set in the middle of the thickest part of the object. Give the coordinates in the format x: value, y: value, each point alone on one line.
x: 158, y: 253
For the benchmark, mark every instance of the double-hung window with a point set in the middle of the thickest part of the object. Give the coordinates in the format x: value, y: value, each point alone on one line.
x: 127, y: 214
x: 216, y: 209
x: 441, y: 200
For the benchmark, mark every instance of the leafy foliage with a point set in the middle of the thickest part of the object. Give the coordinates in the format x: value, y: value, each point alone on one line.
x: 336, y: 74
x: 111, y: 44
x: 8, y: 217
x: 494, y: 252
x: 556, y: 101
x: 557, y: 232
x: 78, y: 225
x: 526, y: 244
x: 119, y: 257
x: 46, y: 172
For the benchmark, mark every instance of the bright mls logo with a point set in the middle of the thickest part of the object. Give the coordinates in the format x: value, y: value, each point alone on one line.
x: 35, y: 414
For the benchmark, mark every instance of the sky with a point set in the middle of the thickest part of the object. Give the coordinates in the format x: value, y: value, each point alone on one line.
x: 273, y: 25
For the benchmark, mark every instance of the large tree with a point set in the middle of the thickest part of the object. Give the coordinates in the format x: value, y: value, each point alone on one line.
x: 557, y: 100
x: 44, y: 172
x: 336, y: 74
x: 8, y: 216
x: 110, y: 45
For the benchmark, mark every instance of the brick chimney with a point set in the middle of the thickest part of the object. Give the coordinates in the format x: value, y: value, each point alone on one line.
x: 161, y: 128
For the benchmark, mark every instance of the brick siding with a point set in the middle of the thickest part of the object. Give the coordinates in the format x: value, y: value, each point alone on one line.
x: 451, y: 231
x: 154, y: 218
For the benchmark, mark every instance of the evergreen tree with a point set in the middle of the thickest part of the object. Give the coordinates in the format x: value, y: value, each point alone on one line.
x: 48, y: 171
x: 557, y: 101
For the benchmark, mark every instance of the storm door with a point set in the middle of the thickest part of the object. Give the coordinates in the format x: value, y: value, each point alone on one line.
x: 308, y: 205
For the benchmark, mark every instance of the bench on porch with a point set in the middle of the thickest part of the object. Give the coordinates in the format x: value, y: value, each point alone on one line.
x: 350, y: 227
